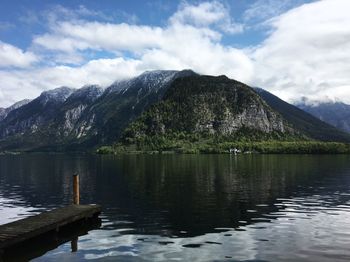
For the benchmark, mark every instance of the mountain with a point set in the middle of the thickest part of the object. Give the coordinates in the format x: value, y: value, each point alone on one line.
x: 27, y: 125
x: 121, y: 103
x: 303, y: 121
x: 2, y: 113
x: 156, y: 103
x: 149, y: 80
x: 73, y: 109
x: 31, y: 116
x: 334, y: 113
x: 68, y: 119
x: 5, y: 111
x: 47, y: 121
x: 208, y: 105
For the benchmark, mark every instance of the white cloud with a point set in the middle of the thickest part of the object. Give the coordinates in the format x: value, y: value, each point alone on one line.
x: 308, y: 53
x: 11, y: 56
x: 72, y: 35
x: 20, y: 84
x: 81, y: 35
x: 174, y: 46
x: 187, y: 48
x: 206, y: 14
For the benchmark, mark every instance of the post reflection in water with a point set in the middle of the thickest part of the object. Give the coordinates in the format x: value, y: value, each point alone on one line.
x: 207, y: 207
x: 74, y: 244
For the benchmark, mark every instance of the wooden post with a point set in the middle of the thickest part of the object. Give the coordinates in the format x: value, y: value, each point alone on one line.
x: 74, y: 245
x: 76, y: 193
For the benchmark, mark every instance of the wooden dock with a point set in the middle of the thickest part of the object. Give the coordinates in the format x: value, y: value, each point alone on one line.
x: 18, y: 232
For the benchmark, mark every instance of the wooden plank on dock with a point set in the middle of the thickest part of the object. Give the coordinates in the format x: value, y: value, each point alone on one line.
x: 34, y: 226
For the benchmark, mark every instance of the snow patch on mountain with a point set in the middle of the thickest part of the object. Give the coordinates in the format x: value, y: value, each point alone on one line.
x: 149, y: 80
x: 88, y: 92
x: 59, y: 94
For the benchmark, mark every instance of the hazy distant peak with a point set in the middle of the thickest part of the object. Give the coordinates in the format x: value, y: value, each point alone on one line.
x: 19, y: 104
x: 314, y: 102
x: 5, y: 111
x: 258, y: 89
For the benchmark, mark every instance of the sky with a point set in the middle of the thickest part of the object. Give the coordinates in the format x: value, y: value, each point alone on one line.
x: 293, y: 48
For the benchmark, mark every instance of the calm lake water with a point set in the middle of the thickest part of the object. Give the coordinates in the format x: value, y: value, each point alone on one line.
x: 191, y: 207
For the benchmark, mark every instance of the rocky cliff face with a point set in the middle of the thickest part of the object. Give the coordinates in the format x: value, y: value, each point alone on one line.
x: 209, y: 105
x: 35, y: 115
x: 48, y: 120
x: 73, y: 109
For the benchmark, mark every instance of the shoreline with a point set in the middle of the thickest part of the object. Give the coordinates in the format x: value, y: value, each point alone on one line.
x: 234, y: 148
x: 185, y: 147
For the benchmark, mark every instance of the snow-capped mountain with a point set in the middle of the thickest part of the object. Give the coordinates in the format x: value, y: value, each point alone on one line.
x: 149, y: 80
x: 50, y: 118
x: 85, y: 116
x: 57, y: 95
x: 88, y: 93
x: 31, y: 117
x: 122, y: 102
x: 79, y: 119
x: 73, y: 109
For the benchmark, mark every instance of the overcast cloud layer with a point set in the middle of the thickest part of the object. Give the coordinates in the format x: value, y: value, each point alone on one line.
x: 305, y: 53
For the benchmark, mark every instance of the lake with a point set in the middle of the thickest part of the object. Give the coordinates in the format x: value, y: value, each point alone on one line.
x: 191, y: 207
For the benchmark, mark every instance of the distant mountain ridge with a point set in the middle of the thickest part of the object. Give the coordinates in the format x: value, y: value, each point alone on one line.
x: 81, y: 119
x: 333, y: 113
x: 303, y: 121
x: 5, y: 111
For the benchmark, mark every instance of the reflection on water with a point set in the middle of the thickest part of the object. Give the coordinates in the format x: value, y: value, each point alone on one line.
x: 191, y: 207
